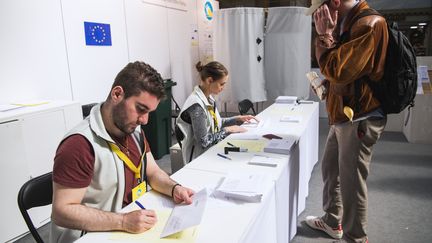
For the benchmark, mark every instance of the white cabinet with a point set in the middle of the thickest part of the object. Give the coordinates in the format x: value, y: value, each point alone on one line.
x: 28, y: 140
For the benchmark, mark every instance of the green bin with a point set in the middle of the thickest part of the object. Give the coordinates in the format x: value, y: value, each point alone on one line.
x: 158, y: 128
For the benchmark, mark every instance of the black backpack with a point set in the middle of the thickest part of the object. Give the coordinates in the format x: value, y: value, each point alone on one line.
x: 398, y: 87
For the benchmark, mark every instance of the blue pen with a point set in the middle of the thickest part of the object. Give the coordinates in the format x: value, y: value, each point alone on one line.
x: 223, y: 156
x: 139, y: 204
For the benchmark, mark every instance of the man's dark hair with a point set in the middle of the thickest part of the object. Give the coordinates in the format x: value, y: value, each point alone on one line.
x: 137, y: 77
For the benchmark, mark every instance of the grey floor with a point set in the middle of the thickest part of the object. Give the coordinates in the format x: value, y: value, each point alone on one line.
x: 400, y: 193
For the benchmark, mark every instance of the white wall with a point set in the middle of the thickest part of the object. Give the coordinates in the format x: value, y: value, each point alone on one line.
x: 93, y: 68
x: 44, y: 55
x: 33, y: 60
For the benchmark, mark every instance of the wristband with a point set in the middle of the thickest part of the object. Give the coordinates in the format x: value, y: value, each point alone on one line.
x: 172, y: 190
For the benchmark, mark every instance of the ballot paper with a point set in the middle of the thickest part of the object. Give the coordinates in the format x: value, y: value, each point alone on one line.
x: 253, y: 124
x: 280, y: 146
x: 286, y: 100
x: 291, y: 118
x: 263, y: 160
x: 246, y: 187
x: 245, y: 136
x: 184, y: 216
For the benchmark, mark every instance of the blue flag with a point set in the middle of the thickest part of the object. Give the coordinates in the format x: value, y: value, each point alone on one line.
x: 97, y: 34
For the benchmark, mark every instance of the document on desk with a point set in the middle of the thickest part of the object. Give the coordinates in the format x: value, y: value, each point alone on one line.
x: 245, y: 136
x: 264, y: 160
x: 253, y: 124
x: 291, y: 118
x: 280, y: 146
x: 153, y: 235
x: 185, y: 216
x: 246, y: 187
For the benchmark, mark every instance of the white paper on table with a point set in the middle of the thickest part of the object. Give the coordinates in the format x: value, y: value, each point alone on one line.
x: 185, y: 216
x: 264, y: 160
x: 291, y: 118
x: 247, y: 187
x: 253, y: 124
x: 244, y: 136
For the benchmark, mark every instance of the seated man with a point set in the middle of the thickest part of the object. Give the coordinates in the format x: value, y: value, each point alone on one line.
x: 105, y: 163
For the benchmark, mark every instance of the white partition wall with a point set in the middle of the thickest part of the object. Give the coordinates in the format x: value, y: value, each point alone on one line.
x: 93, y: 68
x: 180, y: 53
x: 33, y: 62
x: 235, y: 45
x: 287, y: 52
x: 147, y: 30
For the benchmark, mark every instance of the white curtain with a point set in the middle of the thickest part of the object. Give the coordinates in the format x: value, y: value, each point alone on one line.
x: 235, y: 45
x: 287, y: 48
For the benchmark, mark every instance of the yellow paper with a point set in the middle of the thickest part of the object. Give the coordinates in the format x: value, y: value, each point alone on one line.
x: 153, y: 235
x: 30, y: 104
x: 251, y: 145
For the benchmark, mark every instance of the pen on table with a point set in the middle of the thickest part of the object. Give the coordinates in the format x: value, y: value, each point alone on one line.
x: 223, y: 156
x: 230, y: 144
x: 139, y: 204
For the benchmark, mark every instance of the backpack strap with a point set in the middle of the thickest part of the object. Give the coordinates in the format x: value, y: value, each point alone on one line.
x: 344, y: 38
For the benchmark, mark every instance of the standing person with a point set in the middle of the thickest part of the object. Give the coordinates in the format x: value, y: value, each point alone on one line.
x: 200, y: 121
x: 344, y: 59
x: 105, y: 163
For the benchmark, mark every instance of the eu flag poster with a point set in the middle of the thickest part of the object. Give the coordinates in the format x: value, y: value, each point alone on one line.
x: 97, y: 34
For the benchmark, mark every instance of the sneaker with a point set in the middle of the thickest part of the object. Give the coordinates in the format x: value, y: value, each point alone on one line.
x: 318, y: 223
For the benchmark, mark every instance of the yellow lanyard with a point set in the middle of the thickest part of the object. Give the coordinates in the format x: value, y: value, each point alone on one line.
x: 215, y: 121
x: 127, y: 161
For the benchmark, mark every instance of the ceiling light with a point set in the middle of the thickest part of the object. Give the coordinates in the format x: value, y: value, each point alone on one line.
x: 422, y: 24
x: 413, y: 27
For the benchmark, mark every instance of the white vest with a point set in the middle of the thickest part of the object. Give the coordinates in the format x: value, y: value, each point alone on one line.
x: 197, y: 97
x: 106, y: 189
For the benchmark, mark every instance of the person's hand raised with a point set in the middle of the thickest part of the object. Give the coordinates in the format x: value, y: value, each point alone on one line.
x: 325, y: 20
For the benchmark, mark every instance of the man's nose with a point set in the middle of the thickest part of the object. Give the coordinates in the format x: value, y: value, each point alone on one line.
x: 143, y: 119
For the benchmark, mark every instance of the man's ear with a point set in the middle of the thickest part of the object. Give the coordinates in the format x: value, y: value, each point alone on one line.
x: 117, y: 93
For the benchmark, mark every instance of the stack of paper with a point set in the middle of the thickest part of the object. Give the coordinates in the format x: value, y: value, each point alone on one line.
x: 291, y: 118
x: 286, y: 100
x: 263, y: 160
x: 280, y: 146
x: 242, y: 186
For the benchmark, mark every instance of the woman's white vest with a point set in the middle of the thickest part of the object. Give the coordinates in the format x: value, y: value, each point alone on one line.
x: 197, y: 97
x: 106, y: 189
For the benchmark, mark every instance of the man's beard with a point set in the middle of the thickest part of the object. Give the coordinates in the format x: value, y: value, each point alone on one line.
x: 119, y: 117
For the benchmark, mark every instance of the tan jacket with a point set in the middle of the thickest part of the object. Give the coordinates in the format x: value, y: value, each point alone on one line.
x: 363, y: 54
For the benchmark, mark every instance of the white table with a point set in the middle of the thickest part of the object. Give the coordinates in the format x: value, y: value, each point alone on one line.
x: 275, y: 218
x: 292, y: 177
x: 223, y: 221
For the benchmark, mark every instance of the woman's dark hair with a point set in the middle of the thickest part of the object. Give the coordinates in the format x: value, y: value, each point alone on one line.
x: 214, y: 69
x: 137, y: 77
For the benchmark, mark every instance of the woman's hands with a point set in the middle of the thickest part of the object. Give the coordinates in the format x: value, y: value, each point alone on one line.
x: 234, y: 129
x: 246, y: 118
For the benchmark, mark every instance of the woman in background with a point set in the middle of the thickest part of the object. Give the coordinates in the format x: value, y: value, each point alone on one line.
x: 199, y: 119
